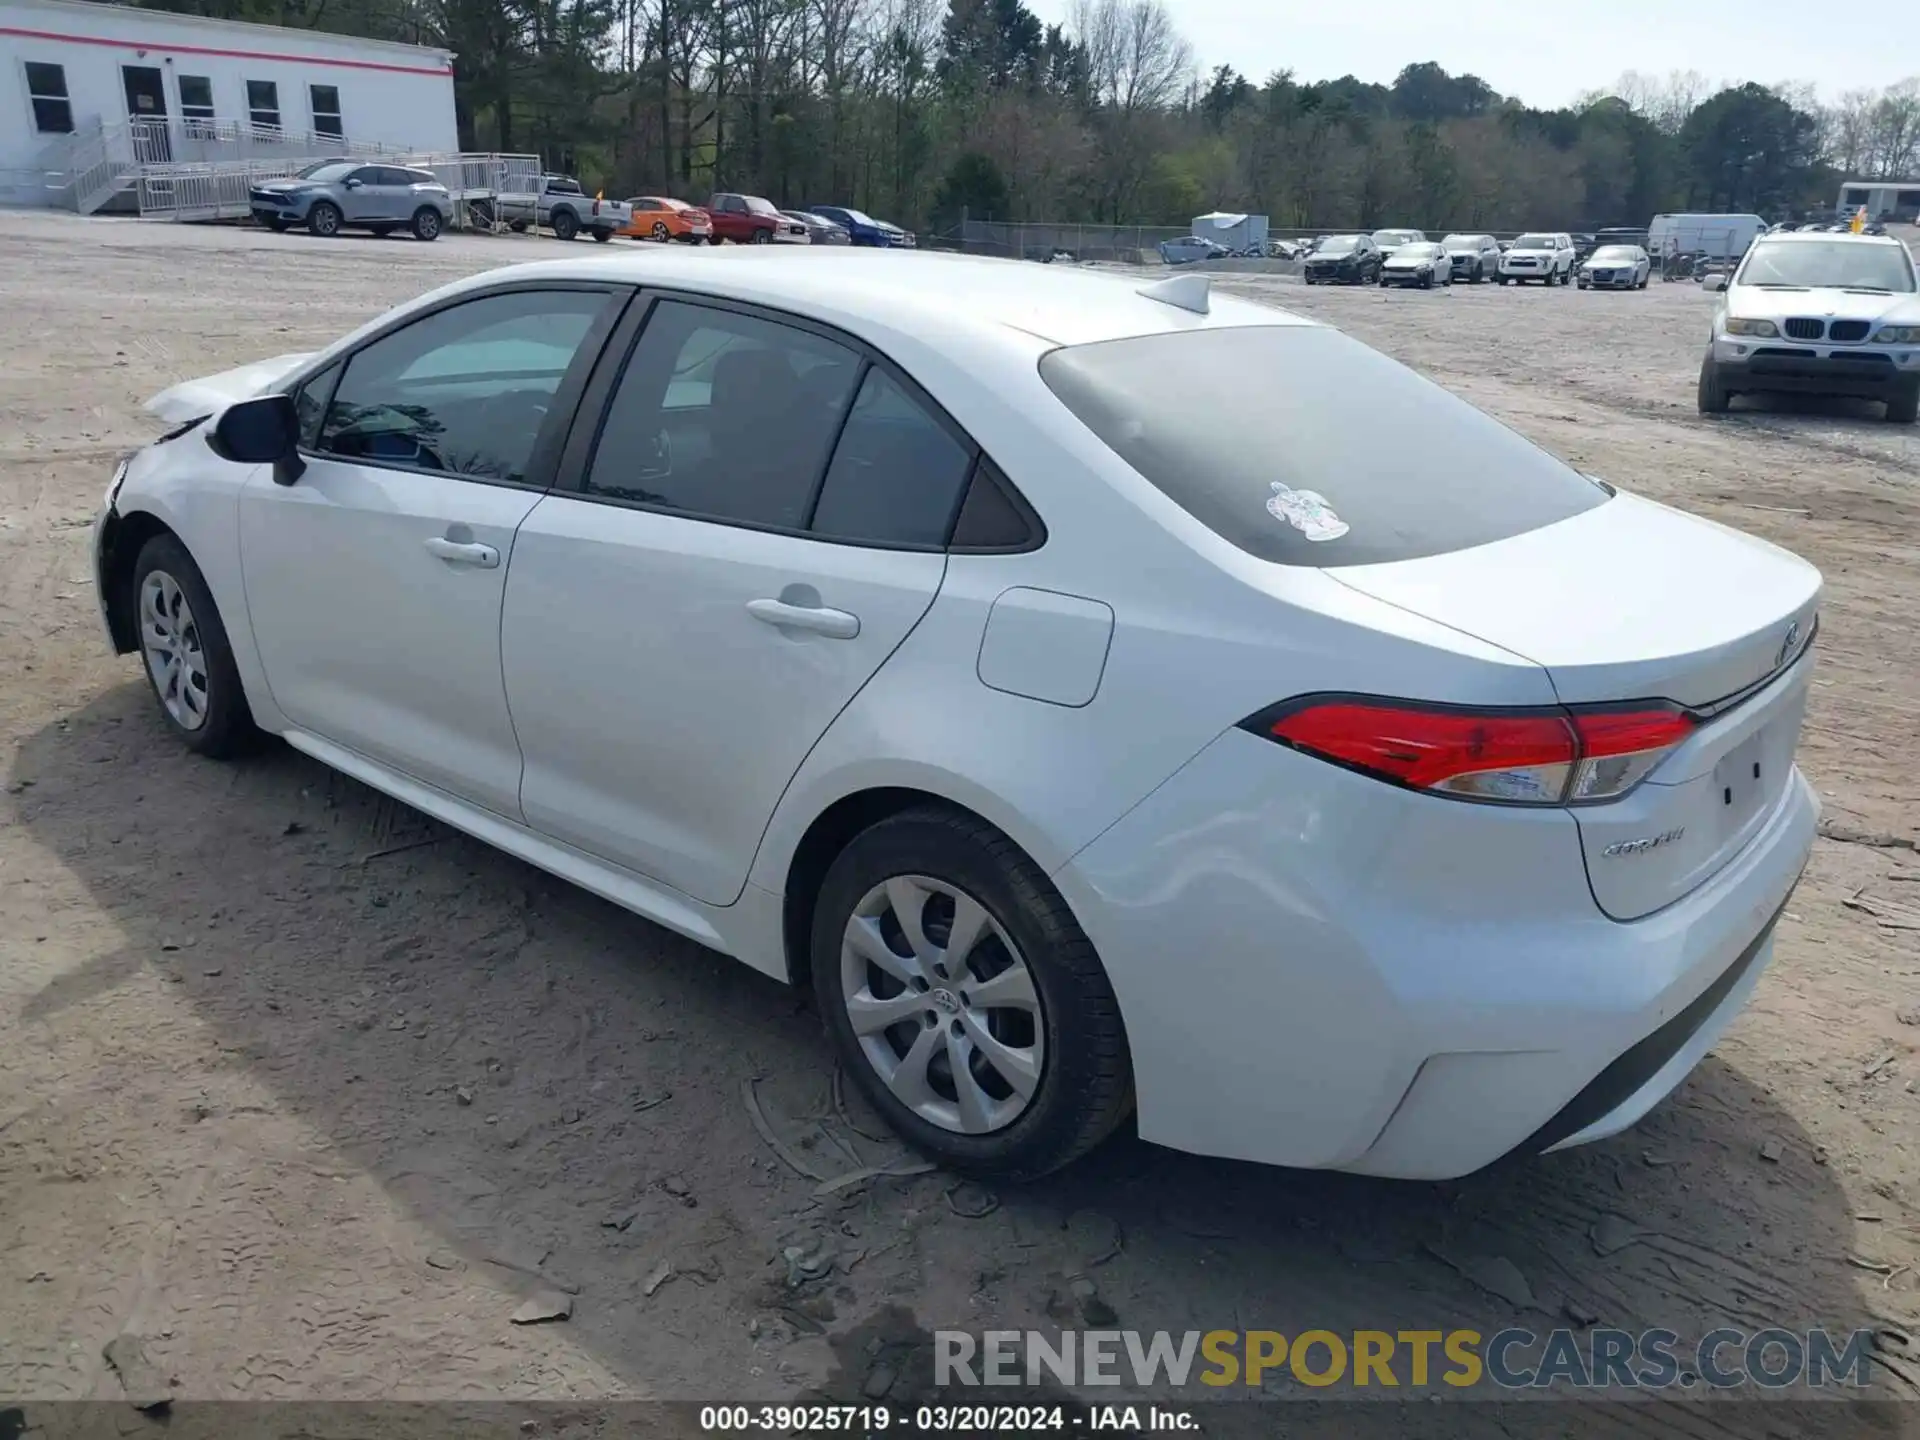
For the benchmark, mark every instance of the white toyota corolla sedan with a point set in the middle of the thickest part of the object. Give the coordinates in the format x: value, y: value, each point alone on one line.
x: 1110, y: 700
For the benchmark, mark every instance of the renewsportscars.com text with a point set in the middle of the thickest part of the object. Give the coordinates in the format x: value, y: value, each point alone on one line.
x: 1513, y: 1359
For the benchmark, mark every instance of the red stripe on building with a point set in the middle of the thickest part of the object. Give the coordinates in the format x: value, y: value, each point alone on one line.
x: 169, y: 48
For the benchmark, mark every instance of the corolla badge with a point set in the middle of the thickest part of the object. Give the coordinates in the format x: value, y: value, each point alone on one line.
x: 1644, y: 844
x: 1307, y: 511
x: 1791, y: 639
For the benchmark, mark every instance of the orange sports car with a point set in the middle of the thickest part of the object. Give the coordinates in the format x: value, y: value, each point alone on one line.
x: 655, y: 217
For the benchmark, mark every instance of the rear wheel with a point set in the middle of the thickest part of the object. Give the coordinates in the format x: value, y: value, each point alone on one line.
x: 426, y: 223
x: 565, y: 224
x: 183, y: 644
x: 324, y: 219
x: 1714, y: 396
x: 964, y: 998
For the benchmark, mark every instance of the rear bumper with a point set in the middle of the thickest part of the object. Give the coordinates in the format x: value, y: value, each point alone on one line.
x: 1875, y: 372
x: 1348, y: 976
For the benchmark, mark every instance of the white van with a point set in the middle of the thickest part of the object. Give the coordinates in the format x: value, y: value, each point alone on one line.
x: 1722, y: 236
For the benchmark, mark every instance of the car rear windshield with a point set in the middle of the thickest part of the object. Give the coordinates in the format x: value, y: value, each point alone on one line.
x: 1302, y: 446
x: 1840, y: 263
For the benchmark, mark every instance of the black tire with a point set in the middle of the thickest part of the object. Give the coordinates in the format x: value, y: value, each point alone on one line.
x: 426, y: 223
x: 278, y: 227
x: 602, y: 236
x: 324, y: 219
x: 1086, y: 1084
x: 518, y: 227
x: 660, y: 232
x: 763, y: 237
x: 1904, y: 409
x: 1426, y: 282
x: 565, y: 224
x: 714, y: 239
x: 228, y: 727
x: 1502, y: 279
x: 1714, y: 397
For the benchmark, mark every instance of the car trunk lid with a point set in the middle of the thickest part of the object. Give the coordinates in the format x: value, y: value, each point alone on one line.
x: 1633, y: 601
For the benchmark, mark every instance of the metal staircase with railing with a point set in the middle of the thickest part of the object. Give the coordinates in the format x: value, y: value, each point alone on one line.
x: 203, y: 169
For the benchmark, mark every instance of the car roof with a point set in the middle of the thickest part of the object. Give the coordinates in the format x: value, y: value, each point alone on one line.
x: 871, y: 293
x: 1799, y: 237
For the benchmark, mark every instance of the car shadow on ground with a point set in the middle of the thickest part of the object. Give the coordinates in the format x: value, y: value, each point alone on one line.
x: 552, y: 1085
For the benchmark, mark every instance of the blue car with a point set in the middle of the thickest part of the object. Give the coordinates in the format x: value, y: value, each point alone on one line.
x: 861, y: 228
x: 1189, y: 248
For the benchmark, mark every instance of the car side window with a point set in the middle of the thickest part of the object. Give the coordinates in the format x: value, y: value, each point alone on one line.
x: 310, y: 404
x: 464, y: 390
x: 897, y: 473
x: 725, y: 416
x: 366, y: 175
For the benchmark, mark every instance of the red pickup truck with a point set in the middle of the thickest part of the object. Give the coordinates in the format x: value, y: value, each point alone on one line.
x: 752, y: 220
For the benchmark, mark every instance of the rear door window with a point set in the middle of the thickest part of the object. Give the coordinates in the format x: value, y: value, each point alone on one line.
x: 1302, y: 446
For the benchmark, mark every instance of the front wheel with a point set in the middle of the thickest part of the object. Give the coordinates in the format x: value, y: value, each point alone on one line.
x: 426, y: 223
x: 279, y: 227
x: 763, y: 237
x: 183, y: 644
x: 1714, y: 397
x: 964, y: 998
x: 660, y: 232
x: 1904, y: 409
x: 324, y: 219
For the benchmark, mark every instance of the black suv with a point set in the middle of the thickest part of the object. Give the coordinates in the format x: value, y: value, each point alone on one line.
x: 1344, y: 260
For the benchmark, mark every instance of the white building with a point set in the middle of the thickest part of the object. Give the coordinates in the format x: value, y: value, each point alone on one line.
x: 1884, y: 199
x: 97, y: 98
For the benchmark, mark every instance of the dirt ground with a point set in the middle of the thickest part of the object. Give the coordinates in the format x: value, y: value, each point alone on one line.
x: 309, y: 1095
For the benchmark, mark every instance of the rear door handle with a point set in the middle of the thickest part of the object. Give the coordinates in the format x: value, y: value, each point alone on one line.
x: 459, y: 552
x: 816, y: 619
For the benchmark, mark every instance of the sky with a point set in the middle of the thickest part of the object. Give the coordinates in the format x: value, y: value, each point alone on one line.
x: 1584, y: 44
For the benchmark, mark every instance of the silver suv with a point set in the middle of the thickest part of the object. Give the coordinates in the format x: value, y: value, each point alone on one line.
x: 1817, y: 314
x: 334, y: 195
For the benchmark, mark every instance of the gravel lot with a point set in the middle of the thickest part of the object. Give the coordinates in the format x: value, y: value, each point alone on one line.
x: 310, y: 1095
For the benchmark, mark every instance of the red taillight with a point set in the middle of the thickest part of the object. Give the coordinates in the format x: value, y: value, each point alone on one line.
x: 1526, y: 757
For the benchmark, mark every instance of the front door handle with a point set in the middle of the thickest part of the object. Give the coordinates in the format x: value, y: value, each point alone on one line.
x: 464, y: 552
x: 816, y: 619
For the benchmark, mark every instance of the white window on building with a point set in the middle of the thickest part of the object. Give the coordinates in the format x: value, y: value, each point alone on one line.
x: 196, y: 104
x: 47, y: 89
x: 325, y: 100
x: 263, y: 104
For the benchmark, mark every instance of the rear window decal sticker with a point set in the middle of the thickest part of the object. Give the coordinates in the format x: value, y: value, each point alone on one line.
x: 1307, y: 511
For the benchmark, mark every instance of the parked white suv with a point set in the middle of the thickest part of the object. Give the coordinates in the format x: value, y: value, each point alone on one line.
x: 1542, y: 256
x: 1819, y: 314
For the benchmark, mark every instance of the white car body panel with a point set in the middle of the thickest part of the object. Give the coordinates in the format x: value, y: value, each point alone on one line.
x: 193, y: 398
x: 344, y: 550
x: 1314, y: 967
x: 637, y: 674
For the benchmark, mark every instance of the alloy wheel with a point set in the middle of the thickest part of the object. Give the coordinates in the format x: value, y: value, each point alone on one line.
x: 170, y: 644
x: 943, y: 1005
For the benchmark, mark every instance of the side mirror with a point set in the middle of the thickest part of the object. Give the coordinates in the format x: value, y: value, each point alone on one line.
x: 265, y: 431
x: 1714, y: 282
